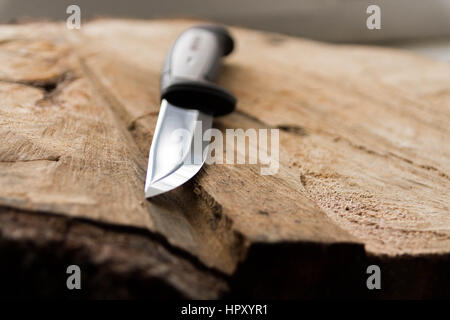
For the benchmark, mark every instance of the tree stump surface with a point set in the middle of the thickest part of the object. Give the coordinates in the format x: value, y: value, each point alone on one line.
x: 363, y: 171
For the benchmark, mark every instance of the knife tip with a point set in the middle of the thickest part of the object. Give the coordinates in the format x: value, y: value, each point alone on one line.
x: 151, y: 192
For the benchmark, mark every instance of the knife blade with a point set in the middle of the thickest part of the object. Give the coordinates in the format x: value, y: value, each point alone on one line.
x: 189, y: 101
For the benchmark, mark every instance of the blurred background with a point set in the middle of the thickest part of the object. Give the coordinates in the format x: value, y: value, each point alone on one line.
x: 419, y: 25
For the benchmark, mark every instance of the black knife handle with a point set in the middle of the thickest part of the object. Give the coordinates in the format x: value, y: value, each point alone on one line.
x: 192, y: 65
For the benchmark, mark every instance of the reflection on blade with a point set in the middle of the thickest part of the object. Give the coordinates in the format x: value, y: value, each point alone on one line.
x: 178, y: 150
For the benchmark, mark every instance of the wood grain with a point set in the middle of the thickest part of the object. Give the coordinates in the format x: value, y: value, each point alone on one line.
x: 364, y: 155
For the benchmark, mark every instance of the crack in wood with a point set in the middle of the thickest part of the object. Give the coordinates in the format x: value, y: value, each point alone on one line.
x: 132, y: 125
x: 51, y: 159
x: 48, y: 86
x: 422, y: 166
x: 293, y: 129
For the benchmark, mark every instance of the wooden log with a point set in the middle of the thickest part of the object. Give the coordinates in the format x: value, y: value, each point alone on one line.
x: 363, y: 175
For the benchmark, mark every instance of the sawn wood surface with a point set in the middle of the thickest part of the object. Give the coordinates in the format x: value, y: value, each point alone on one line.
x: 363, y: 171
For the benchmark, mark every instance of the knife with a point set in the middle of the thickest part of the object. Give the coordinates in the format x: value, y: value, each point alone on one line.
x: 189, y: 101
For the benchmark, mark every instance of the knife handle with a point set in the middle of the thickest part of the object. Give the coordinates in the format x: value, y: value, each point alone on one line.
x: 192, y: 65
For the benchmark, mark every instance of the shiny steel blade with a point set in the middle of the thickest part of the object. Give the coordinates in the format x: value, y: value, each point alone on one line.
x: 178, y: 150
